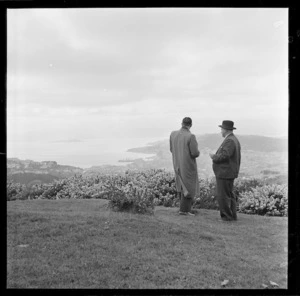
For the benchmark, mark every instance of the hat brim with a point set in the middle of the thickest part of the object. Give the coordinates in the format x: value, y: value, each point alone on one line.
x: 226, y: 127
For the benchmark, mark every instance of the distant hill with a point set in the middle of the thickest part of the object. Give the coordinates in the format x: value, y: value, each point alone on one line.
x: 259, y: 154
x: 15, y: 165
x: 26, y: 171
x: 30, y: 172
x: 212, y: 141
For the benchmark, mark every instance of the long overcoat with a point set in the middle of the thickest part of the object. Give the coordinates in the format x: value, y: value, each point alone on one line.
x: 184, y: 149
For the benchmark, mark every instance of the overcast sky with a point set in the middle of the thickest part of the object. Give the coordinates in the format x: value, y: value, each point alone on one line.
x: 75, y: 74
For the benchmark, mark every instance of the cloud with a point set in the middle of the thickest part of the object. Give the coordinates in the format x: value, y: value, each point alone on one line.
x: 74, y: 72
x: 68, y: 141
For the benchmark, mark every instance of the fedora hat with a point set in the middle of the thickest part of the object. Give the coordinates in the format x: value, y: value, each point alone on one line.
x: 227, y: 124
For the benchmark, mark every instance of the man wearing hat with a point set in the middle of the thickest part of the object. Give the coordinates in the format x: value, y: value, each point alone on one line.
x: 226, y: 166
x: 184, y: 149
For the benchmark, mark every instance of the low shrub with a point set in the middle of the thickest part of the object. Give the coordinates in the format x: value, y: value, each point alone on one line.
x: 131, y: 199
x: 270, y: 200
x: 207, y: 196
x: 140, y: 191
x: 14, y: 190
x: 159, y: 184
x: 243, y: 185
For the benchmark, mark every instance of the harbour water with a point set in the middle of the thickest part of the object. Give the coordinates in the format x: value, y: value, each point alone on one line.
x: 84, y: 154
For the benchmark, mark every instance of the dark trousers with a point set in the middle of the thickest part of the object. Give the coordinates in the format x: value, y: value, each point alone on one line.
x: 226, y: 199
x: 185, y: 203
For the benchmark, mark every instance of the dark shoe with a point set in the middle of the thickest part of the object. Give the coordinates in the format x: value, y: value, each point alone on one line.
x: 226, y: 219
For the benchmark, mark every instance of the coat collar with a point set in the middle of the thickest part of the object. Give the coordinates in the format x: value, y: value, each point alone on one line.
x: 228, y: 135
x: 184, y: 128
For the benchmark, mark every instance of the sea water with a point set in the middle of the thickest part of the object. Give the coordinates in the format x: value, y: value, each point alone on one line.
x: 84, y: 154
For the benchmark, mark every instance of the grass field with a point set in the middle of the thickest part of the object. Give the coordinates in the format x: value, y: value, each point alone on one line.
x: 82, y: 244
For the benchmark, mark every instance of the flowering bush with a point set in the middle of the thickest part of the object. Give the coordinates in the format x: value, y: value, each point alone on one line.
x: 270, y: 200
x: 131, y: 199
x: 135, y: 191
x: 14, y: 190
x: 140, y: 191
x: 207, y: 197
x: 242, y: 185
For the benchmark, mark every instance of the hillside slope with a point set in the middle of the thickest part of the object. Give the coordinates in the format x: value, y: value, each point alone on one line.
x: 82, y: 244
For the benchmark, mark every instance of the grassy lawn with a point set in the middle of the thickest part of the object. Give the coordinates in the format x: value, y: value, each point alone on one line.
x: 82, y: 244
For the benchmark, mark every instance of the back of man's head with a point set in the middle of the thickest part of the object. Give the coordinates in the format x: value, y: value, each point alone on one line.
x: 187, y: 121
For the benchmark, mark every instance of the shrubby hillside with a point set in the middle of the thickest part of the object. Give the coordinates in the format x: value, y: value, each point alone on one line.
x: 31, y: 178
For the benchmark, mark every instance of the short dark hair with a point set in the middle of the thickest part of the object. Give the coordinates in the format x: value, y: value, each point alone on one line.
x: 187, y: 121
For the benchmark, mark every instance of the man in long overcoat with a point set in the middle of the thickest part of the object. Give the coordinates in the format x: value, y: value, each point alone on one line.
x: 184, y: 149
x: 226, y: 166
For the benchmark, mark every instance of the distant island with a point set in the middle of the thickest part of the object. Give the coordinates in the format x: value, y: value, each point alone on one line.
x: 129, y: 160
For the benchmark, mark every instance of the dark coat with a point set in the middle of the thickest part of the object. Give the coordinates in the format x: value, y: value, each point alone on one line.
x: 227, y: 160
x: 184, y: 149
